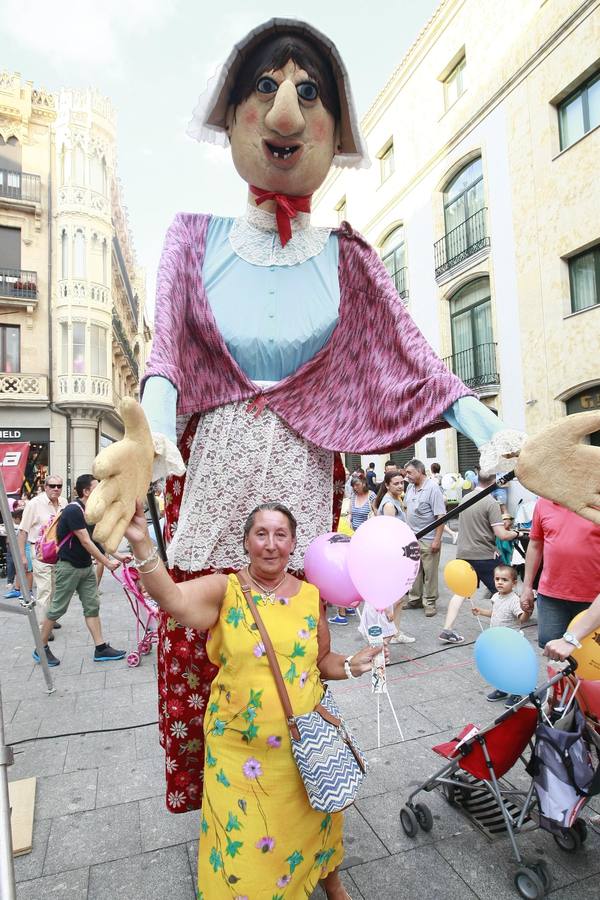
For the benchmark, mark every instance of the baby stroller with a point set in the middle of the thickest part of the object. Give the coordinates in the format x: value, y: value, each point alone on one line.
x: 145, y: 610
x: 472, y: 779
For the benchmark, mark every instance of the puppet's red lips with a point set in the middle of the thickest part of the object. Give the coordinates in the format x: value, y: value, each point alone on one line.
x: 283, y: 155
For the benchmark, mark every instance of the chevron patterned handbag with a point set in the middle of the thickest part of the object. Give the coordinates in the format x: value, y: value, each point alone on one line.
x: 329, y: 760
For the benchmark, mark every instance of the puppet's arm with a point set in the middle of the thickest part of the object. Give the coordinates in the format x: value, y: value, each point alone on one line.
x: 493, y: 439
x: 160, y: 406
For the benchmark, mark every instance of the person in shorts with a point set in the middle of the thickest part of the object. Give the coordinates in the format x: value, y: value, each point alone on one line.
x: 75, y: 573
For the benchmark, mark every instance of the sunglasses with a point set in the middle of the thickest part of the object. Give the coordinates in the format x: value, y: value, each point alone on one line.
x: 54, y: 485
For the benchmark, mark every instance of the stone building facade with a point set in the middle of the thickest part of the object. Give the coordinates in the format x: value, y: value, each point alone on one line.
x: 73, y: 332
x: 483, y: 201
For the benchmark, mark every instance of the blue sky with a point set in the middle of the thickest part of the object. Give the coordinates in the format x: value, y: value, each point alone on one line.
x: 153, y: 58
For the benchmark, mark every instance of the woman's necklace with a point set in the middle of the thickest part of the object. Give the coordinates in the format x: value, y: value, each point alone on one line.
x: 267, y: 594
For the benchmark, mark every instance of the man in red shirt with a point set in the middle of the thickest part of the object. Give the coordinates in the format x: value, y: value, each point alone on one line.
x: 569, y: 546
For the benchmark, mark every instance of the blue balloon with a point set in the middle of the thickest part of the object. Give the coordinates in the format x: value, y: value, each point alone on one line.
x: 471, y: 476
x: 506, y: 659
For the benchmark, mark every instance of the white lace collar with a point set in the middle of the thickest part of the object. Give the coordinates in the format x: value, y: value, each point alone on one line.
x: 254, y: 238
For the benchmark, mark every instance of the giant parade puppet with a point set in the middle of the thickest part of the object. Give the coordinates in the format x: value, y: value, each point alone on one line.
x: 277, y: 346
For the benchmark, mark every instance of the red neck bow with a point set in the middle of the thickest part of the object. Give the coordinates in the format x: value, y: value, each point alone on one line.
x: 287, y: 209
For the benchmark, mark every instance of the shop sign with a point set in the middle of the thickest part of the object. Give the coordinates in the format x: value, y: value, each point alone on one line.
x: 32, y: 435
x: 13, y: 460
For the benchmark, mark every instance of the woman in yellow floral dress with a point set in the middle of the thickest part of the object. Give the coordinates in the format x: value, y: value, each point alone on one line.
x: 259, y: 836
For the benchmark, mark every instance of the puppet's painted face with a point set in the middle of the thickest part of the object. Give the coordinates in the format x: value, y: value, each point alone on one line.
x: 282, y: 137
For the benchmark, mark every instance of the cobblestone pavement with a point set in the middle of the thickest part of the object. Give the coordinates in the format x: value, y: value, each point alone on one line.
x: 101, y: 829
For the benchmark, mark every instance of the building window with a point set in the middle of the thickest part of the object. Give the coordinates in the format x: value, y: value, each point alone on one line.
x: 455, y: 83
x: 78, y: 348
x: 104, y: 262
x: 473, y: 347
x: 98, y: 350
x: 579, y: 112
x: 464, y: 218
x: 393, y: 254
x: 585, y: 402
x: 64, y: 348
x: 584, y: 277
x: 79, y: 254
x: 386, y: 161
x: 64, y: 254
x: 10, y: 348
x: 341, y: 210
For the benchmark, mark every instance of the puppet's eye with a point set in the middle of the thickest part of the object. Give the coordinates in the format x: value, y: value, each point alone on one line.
x: 308, y: 90
x: 266, y: 85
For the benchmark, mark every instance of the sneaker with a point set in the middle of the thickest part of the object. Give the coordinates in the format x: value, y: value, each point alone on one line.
x: 338, y: 620
x: 108, y: 653
x: 402, y: 638
x: 50, y: 637
x: 350, y: 612
x: 450, y: 637
x: 13, y: 595
x: 50, y: 657
x: 430, y: 611
x: 514, y: 698
x: 496, y: 695
x: 57, y: 626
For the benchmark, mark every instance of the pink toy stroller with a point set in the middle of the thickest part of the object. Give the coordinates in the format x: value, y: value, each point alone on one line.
x: 145, y: 610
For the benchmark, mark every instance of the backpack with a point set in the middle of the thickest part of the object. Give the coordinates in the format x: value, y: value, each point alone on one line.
x: 46, y: 547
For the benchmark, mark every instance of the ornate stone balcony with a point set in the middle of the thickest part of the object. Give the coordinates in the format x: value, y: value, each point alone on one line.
x: 80, y: 389
x: 83, y: 199
x: 19, y: 387
x: 79, y: 291
x: 18, y: 288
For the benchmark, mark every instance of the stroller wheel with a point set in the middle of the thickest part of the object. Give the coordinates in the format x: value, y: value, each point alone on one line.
x: 581, y: 828
x: 541, y: 867
x: 529, y: 884
x: 424, y: 816
x: 570, y: 840
x: 133, y: 659
x: 409, y: 821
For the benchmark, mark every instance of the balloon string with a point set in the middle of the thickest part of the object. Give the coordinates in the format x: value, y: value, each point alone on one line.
x: 477, y: 617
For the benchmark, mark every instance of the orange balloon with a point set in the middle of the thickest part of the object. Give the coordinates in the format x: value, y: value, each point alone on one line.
x: 588, y: 657
x: 461, y: 577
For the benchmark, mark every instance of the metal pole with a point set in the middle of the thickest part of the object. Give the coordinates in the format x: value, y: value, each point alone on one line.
x: 504, y: 479
x: 8, y: 890
x: 151, y: 501
x: 27, y: 603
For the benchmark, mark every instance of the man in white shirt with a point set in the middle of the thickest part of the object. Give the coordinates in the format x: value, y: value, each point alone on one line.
x: 36, y: 516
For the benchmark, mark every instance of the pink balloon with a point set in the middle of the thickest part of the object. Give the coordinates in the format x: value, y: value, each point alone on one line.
x: 383, y: 560
x: 326, y: 566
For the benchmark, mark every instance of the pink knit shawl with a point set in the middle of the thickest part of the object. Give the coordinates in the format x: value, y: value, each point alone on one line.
x: 342, y: 399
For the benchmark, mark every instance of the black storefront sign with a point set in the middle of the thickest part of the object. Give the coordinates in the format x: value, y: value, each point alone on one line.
x: 32, y: 435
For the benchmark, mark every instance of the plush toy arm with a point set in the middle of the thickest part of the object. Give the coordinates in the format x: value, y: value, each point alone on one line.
x: 557, y: 465
x: 497, y: 444
x: 124, y: 471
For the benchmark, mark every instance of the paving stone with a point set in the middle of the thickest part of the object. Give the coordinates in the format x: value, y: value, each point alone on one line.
x: 412, y: 724
x: 21, y: 731
x: 156, y: 875
x: 161, y: 828
x: 121, y: 673
x: 361, y: 843
x: 71, y: 723
x: 44, y: 707
x: 94, y: 750
x: 77, y: 684
x: 582, y: 890
x: 39, y: 758
x: 421, y: 873
x: 31, y: 865
x: 58, y: 795
x: 89, y: 838
x: 142, y: 713
x: 489, y: 868
x: 383, y: 814
x: 147, y: 743
x: 106, y: 697
x: 134, y: 779
x: 147, y: 692
x: 71, y: 885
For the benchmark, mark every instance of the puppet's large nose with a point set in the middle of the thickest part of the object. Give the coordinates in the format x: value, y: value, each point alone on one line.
x: 285, y: 116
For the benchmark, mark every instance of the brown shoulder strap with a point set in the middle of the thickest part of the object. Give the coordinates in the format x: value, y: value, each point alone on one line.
x: 281, y: 690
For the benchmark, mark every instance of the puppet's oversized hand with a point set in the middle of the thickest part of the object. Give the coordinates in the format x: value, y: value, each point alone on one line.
x: 555, y: 464
x: 124, y: 470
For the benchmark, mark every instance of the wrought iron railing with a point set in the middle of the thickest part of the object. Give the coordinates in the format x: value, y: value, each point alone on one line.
x: 20, y: 185
x: 124, y: 342
x: 400, y: 279
x: 461, y: 242
x: 476, y: 366
x: 18, y: 283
